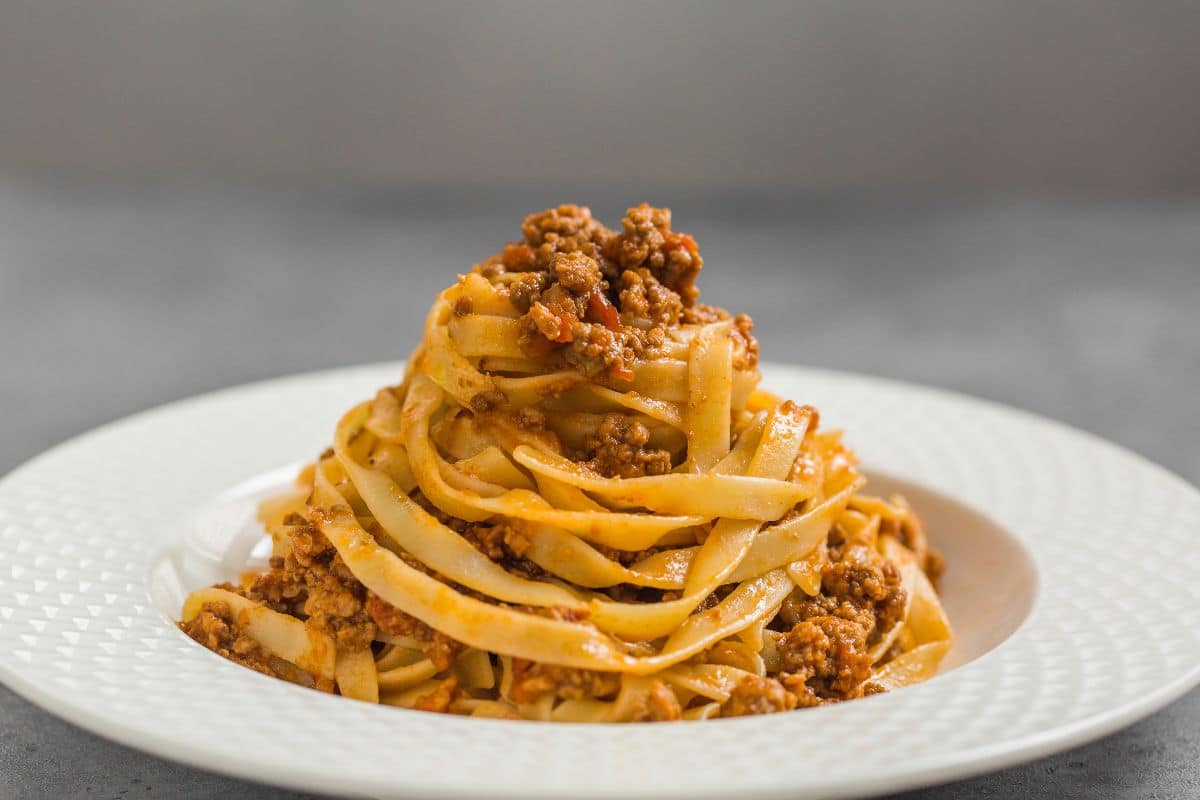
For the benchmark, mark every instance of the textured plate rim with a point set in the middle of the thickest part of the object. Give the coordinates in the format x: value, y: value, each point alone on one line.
x: 928, y: 770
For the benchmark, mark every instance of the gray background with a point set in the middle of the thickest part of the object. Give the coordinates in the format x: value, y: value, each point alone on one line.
x: 1000, y: 197
x: 876, y: 95
x: 113, y: 299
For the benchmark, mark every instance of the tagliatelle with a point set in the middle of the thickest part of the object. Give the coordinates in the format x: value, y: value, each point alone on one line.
x: 578, y: 506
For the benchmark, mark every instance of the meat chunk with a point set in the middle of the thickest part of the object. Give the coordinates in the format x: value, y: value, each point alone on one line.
x: 646, y: 240
x: 281, y: 588
x: 504, y: 543
x: 440, y: 648
x: 564, y: 229
x: 547, y: 323
x: 618, y: 449
x: 497, y: 542
x: 660, y: 705
x: 644, y: 298
x: 441, y: 698
x: 829, y: 654
x: 867, y: 581
x: 486, y: 401
x: 215, y: 628
x: 532, y: 679
x: 576, y: 272
x: 861, y: 587
x: 826, y: 651
x: 745, y: 346
x: 755, y: 695
x: 527, y: 290
x: 704, y: 314
x: 596, y: 300
x: 595, y: 349
x: 313, y: 582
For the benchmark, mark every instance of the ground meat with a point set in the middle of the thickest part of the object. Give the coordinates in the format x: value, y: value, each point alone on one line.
x: 337, y: 607
x: 491, y: 268
x: 441, y: 698
x: 215, y: 628
x: 836, y: 542
x: 704, y: 314
x: 545, y: 322
x: 505, y: 544
x: 576, y: 272
x: 755, y: 695
x: 281, y: 588
x: 829, y: 654
x: 715, y: 597
x: 644, y: 298
x: 618, y: 449
x: 565, y: 229
x: 530, y: 419
x: 453, y: 523
x: 594, y: 349
x: 486, y: 401
x: 652, y: 343
x: 870, y: 582
x: 500, y: 541
x: 440, y: 648
x: 312, y: 582
x: 532, y: 679
x: 798, y: 687
x: 660, y: 705
x: 745, y: 346
x: 825, y: 652
x: 864, y: 589
x: 596, y: 300
x: 557, y: 317
x: 516, y: 257
x: 527, y: 290
x: 799, y: 607
x: 646, y: 240
x: 497, y: 541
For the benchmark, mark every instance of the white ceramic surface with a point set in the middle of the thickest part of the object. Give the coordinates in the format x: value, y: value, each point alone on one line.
x: 1074, y: 585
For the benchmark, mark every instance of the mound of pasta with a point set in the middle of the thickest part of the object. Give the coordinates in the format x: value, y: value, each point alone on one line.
x: 579, y: 506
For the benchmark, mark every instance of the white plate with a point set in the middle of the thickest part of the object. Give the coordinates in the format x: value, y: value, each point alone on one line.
x: 1074, y: 587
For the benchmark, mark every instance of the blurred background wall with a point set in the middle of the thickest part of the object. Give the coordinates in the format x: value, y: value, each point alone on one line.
x: 832, y: 96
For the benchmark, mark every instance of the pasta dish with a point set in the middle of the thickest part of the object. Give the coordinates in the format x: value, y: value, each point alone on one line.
x: 578, y: 505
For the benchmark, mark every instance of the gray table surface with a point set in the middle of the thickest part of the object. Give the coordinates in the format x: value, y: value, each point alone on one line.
x: 117, y: 298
